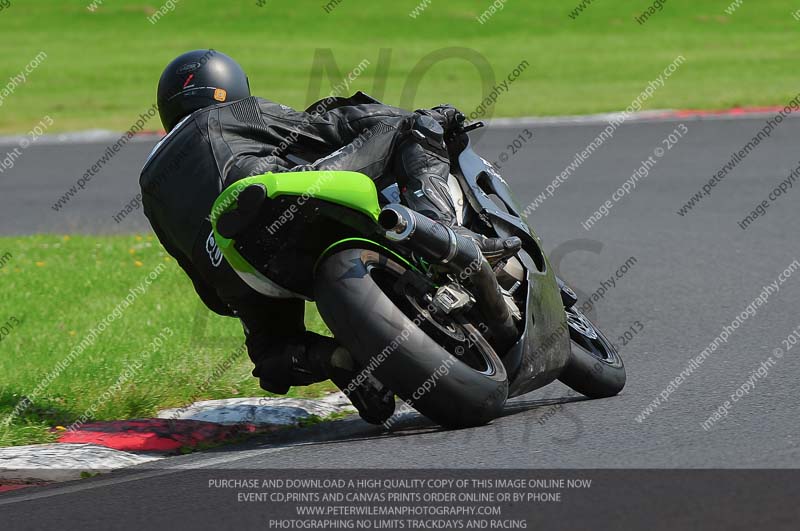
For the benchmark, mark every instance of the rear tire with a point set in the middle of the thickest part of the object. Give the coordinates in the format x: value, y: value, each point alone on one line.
x: 595, y: 368
x: 351, y: 293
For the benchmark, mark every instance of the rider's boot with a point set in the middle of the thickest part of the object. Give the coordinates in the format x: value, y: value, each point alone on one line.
x: 375, y: 403
x: 494, y: 249
x: 426, y: 192
x: 315, y: 358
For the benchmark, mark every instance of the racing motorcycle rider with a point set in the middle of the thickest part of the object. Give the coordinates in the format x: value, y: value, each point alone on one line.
x: 217, y: 134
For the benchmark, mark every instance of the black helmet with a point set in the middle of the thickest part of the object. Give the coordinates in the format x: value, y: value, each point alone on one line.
x: 198, y: 79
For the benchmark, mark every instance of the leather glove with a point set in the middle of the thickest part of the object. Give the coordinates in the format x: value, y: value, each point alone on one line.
x: 452, y: 118
x: 429, y: 133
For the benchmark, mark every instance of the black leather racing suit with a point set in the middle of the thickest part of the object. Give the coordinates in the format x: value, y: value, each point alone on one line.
x: 219, y: 145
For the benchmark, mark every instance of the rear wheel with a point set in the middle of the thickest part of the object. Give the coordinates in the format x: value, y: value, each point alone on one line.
x: 595, y: 368
x: 441, y: 366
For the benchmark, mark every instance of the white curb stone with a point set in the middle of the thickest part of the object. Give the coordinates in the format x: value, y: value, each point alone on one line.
x: 66, y: 461
x: 61, y: 462
x: 260, y: 411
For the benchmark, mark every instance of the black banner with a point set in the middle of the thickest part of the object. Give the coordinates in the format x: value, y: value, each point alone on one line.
x: 418, y: 499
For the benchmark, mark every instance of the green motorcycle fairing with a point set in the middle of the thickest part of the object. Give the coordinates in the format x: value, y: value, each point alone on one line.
x: 346, y: 188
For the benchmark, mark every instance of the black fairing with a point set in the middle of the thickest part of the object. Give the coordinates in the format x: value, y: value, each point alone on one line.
x: 544, y: 348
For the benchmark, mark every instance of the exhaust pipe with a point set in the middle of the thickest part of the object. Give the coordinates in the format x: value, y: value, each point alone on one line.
x: 440, y: 245
x: 434, y: 241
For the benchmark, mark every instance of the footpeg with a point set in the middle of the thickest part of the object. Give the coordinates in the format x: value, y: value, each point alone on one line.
x: 452, y: 298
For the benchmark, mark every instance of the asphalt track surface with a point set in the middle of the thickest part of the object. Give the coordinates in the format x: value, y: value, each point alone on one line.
x: 692, y: 275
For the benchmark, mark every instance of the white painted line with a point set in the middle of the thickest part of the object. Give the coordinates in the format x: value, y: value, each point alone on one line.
x: 96, y: 136
x: 169, y: 468
x: 585, y: 119
x: 638, y: 117
x: 92, y: 136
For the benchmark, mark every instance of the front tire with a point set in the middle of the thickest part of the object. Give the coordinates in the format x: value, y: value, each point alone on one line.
x: 357, y: 302
x: 595, y: 368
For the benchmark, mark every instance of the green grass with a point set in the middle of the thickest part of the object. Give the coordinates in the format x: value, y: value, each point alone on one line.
x: 102, y: 67
x: 59, y: 287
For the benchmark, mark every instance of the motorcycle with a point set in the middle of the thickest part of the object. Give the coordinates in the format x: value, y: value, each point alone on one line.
x: 421, y: 311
